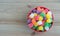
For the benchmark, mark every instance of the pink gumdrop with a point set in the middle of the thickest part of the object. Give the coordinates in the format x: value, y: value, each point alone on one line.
x: 36, y: 18
x: 43, y: 23
x: 30, y: 25
x: 46, y: 10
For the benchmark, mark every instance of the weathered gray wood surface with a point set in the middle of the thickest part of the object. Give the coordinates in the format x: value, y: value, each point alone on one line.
x: 13, y: 17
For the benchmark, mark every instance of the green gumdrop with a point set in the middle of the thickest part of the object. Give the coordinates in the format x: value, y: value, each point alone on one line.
x: 51, y: 19
x: 42, y: 14
x: 35, y: 27
x: 47, y: 24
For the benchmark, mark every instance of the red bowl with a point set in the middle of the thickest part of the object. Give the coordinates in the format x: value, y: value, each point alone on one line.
x: 38, y: 12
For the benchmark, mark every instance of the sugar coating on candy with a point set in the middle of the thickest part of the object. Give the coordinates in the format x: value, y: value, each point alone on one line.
x: 46, y: 28
x: 33, y: 21
x: 35, y: 24
x: 38, y: 12
x: 40, y: 19
x: 48, y: 16
x: 35, y: 27
x: 29, y: 21
x: 47, y: 24
x: 31, y: 25
x: 44, y: 18
x: 42, y: 14
x: 40, y: 28
x: 36, y: 17
x: 34, y: 11
x: 46, y: 10
x: 35, y: 14
x: 49, y: 20
x: 38, y: 8
x: 39, y: 23
x: 31, y: 15
x: 49, y: 12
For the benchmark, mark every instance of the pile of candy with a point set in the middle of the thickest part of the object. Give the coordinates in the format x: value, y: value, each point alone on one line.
x: 40, y: 19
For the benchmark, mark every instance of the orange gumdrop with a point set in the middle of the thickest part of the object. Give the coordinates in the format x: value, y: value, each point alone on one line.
x: 33, y: 21
x: 38, y: 8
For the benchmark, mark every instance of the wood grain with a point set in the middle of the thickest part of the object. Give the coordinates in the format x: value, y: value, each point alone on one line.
x: 28, y: 1
x: 13, y: 17
x: 15, y: 11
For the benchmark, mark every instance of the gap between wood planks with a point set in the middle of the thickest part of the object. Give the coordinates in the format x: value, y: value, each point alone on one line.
x: 19, y: 21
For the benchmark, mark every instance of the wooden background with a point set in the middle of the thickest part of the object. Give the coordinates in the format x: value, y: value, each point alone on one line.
x: 13, y: 17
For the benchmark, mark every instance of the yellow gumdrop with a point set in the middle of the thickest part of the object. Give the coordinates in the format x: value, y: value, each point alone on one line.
x: 35, y: 14
x: 35, y: 24
x: 40, y: 28
x: 48, y: 20
x: 48, y: 16
x: 33, y: 21
x: 40, y: 18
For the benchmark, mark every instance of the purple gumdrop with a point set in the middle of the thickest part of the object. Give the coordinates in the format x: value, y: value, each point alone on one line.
x: 38, y: 12
x: 34, y: 10
x: 29, y: 21
x: 44, y: 18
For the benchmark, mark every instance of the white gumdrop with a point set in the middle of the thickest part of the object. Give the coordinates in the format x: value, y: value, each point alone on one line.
x: 49, y: 12
x: 39, y: 22
x: 46, y: 28
x: 31, y: 15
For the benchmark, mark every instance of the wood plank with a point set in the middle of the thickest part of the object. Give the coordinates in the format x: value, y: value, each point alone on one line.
x: 13, y: 17
x: 21, y: 23
x: 15, y: 11
x: 17, y: 29
x: 28, y: 1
